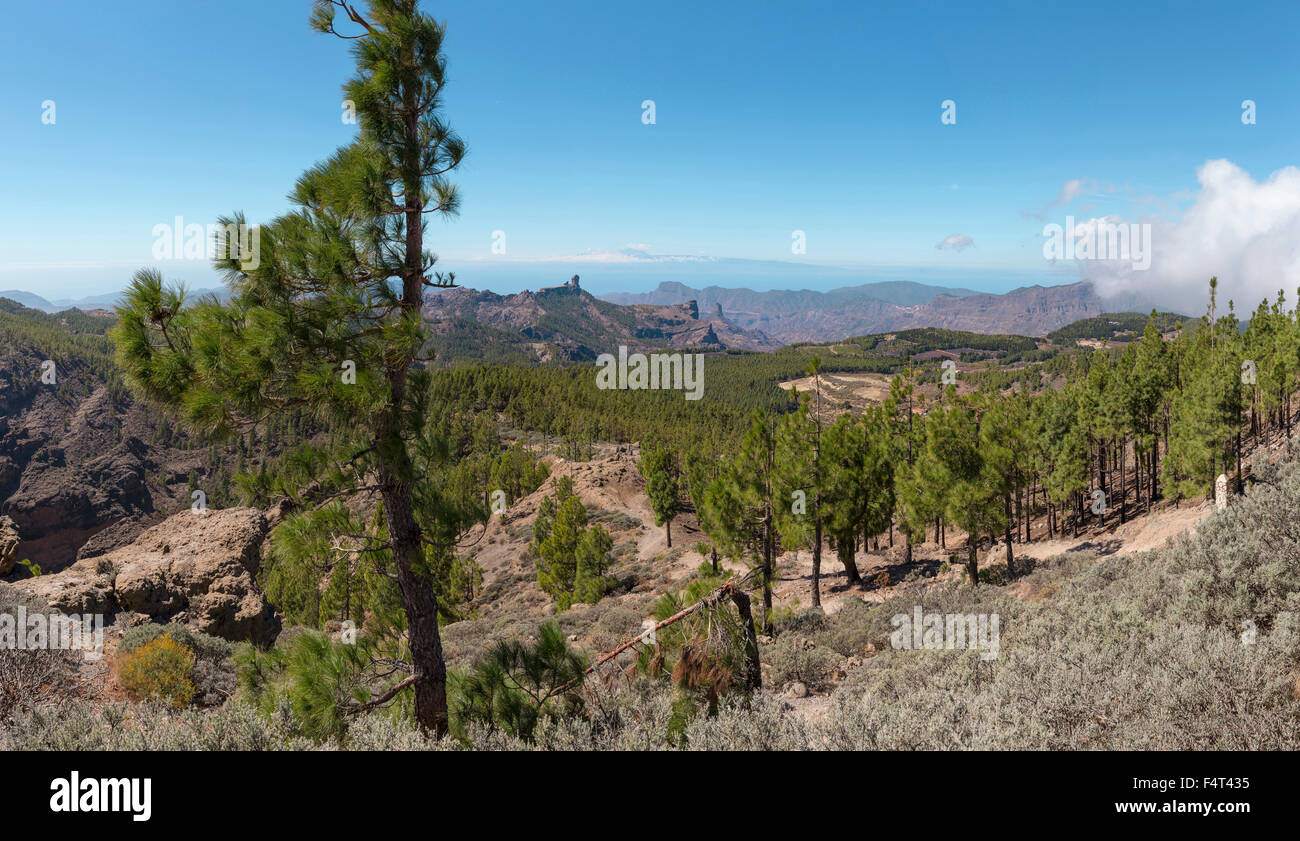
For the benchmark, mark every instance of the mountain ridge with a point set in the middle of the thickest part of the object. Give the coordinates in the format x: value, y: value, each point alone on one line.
x: 809, y: 316
x: 567, y: 322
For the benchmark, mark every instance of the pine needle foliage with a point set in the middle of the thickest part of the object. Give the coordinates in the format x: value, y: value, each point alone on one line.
x: 324, y: 315
x: 518, y: 683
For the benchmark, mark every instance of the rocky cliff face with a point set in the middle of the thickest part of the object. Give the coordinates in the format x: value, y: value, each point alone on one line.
x: 8, y: 545
x: 196, y: 568
x: 79, y: 460
x: 1030, y: 311
x: 566, y: 322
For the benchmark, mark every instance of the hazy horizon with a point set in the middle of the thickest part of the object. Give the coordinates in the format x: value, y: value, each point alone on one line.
x: 637, y: 148
x: 631, y: 277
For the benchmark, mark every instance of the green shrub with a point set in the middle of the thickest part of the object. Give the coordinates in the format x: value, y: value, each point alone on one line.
x: 159, y: 669
x: 851, y: 629
x: 807, y: 621
x: 313, y: 678
x: 213, y: 674
x: 518, y: 684
x: 793, y: 658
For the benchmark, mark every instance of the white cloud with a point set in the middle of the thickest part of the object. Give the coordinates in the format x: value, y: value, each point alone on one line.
x: 957, y: 242
x: 1070, y: 191
x: 625, y: 255
x: 1245, y: 232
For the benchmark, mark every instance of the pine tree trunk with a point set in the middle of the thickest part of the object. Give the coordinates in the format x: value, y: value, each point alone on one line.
x: 1101, y: 468
x: 668, y: 532
x: 752, y: 674
x: 1027, y: 513
x: 1153, y: 488
x: 1011, y: 561
x: 418, y: 596
x: 846, y: 547
x: 421, y: 605
x: 1137, y: 476
x: 1123, y: 480
x: 1238, y: 458
x: 1016, y: 503
x: 972, y: 562
x: 767, y: 574
x: 817, y: 563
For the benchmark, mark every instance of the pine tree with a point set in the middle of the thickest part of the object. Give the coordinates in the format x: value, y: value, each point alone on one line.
x: 1149, y: 385
x: 859, y: 482
x: 1003, y: 429
x: 1206, y: 408
x: 799, y: 484
x: 970, y: 493
x: 662, y: 476
x: 920, y: 488
x: 339, y: 280
x: 571, y: 557
x: 742, y: 503
x: 701, y: 473
x: 908, y: 435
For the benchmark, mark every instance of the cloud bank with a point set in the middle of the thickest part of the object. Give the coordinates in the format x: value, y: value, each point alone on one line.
x: 1243, y: 231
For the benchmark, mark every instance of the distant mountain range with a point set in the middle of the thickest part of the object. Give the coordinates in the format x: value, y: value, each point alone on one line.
x: 903, y: 293
x: 807, y: 316
x: 87, y: 304
x: 567, y: 322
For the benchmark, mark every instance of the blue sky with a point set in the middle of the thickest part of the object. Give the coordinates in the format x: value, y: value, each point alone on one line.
x: 770, y: 118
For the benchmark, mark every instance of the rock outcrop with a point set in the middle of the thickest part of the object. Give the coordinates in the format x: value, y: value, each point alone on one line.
x: 578, y: 326
x: 84, y: 587
x: 195, y: 568
x: 8, y: 545
x: 81, y: 461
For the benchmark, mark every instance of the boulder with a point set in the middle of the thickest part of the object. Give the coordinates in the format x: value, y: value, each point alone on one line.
x: 8, y: 545
x: 84, y: 587
x: 198, y: 568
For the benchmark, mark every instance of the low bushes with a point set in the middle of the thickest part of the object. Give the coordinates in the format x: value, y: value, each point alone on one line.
x: 160, y: 669
x: 212, y: 672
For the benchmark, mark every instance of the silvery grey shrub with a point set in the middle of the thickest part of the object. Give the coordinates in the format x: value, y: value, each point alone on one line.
x: 1120, y: 652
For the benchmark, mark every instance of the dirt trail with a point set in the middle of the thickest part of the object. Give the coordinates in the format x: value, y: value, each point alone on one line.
x: 883, y: 571
x: 611, y: 483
